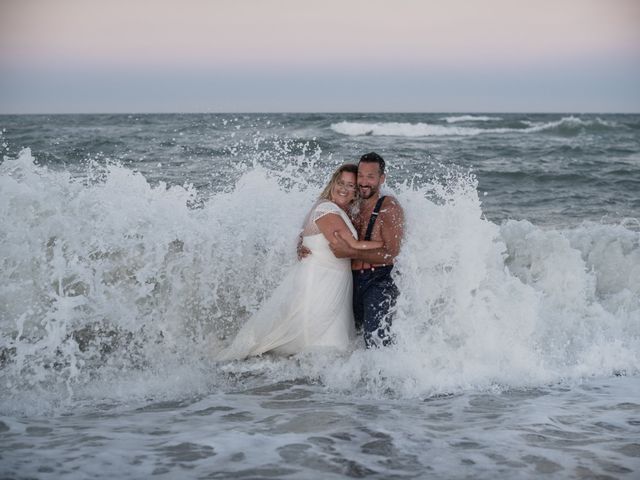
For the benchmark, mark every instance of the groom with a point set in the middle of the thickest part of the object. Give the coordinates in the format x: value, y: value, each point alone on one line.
x: 380, y: 218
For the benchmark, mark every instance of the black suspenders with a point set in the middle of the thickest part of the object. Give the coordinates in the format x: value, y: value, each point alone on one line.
x: 372, y: 220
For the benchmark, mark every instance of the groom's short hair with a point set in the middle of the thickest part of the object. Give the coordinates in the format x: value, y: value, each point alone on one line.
x: 373, y: 157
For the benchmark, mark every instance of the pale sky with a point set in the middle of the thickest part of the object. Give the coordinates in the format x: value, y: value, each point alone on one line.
x: 67, y: 56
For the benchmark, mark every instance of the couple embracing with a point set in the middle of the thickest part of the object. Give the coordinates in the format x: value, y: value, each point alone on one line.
x: 342, y: 282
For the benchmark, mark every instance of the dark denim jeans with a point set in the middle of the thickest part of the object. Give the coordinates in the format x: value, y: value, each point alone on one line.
x: 374, y: 296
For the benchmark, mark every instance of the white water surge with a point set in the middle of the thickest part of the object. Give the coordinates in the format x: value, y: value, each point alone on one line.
x: 111, y: 288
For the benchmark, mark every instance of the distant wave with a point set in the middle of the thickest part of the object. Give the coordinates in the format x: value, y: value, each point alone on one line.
x: 570, y: 125
x: 470, y: 118
x: 397, y: 129
x: 565, y: 126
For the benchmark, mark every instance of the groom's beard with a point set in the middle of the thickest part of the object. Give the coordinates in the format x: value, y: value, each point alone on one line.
x: 368, y: 192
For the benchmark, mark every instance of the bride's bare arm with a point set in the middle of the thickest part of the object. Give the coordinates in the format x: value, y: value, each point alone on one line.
x: 359, y: 244
x: 332, y: 224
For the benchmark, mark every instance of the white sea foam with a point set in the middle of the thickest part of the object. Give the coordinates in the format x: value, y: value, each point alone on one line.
x: 400, y: 129
x: 112, y: 287
x: 470, y: 118
x: 566, y: 125
x: 569, y: 124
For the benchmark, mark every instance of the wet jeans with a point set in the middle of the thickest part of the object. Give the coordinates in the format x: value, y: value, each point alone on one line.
x: 374, y: 296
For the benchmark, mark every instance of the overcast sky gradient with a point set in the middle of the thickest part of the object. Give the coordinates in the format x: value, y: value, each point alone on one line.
x: 128, y: 56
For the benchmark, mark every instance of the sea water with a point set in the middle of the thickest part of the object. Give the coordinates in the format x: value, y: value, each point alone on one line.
x: 133, y: 247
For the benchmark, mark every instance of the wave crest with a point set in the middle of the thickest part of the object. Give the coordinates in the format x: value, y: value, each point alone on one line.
x: 470, y: 118
x: 565, y: 126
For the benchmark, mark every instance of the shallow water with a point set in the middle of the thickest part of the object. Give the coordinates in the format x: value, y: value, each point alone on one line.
x: 299, y: 430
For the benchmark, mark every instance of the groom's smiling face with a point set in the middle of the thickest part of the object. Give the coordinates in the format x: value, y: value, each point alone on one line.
x: 369, y: 179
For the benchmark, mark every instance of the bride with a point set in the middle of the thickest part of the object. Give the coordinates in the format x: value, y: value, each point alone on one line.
x: 311, y: 308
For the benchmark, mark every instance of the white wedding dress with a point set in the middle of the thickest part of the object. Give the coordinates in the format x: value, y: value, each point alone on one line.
x: 311, y: 308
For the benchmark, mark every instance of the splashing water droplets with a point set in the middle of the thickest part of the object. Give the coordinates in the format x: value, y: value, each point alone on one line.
x: 109, y: 281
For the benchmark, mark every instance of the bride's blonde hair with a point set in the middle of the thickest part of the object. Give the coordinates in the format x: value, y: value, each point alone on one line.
x: 347, y: 167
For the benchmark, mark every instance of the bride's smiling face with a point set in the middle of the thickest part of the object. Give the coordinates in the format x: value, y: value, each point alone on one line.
x: 343, y: 191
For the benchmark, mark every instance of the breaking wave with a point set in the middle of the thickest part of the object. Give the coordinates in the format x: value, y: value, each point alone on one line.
x: 566, y: 126
x: 111, y: 287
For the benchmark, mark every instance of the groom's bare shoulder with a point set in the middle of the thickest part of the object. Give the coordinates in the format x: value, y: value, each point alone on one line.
x: 391, y: 210
x: 392, y: 225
